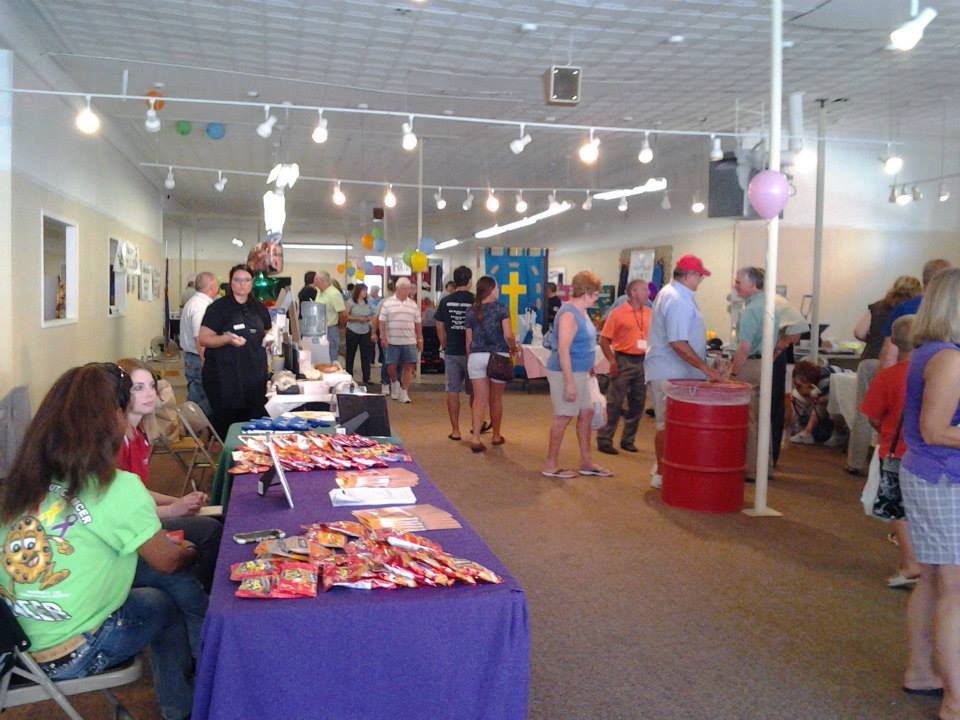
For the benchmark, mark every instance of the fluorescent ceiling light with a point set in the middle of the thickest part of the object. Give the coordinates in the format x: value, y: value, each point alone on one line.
x: 453, y: 242
x: 651, y: 185
x: 316, y: 246
x: 87, y: 120
x: 554, y: 209
x: 320, y: 132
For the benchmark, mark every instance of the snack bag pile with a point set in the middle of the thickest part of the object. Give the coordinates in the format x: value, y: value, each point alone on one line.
x: 301, y: 452
x: 347, y: 554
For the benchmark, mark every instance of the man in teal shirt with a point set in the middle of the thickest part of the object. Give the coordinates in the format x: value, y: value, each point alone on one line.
x: 788, y: 325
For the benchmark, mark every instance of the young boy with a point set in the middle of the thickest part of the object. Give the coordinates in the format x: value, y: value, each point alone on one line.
x: 883, y: 407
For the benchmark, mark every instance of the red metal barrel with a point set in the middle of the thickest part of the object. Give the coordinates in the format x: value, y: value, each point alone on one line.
x: 705, y: 445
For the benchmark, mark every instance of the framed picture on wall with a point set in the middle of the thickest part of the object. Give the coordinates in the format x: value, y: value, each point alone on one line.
x: 146, y: 283
x: 556, y: 275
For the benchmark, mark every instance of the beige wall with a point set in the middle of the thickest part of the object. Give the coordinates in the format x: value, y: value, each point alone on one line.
x: 40, y: 354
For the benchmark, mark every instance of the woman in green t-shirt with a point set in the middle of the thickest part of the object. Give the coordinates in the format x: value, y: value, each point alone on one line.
x: 73, y: 528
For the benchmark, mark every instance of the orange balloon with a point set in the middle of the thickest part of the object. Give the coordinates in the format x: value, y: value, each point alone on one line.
x: 157, y: 104
x: 341, y: 268
x: 367, y: 241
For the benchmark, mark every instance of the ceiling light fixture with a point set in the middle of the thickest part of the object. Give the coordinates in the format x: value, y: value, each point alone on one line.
x: 518, y: 145
x: 170, y: 183
x: 651, y: 185
x: 943, y: 192
x: 439, y: 199
x: 554, y: 209
x: 696, y: 206
x: 315, y: 246
x: 646, y: 152
x: 237, y: 241
x: 716, y: 150
x: 468, y: 201
x: 552, y: 200
x: 903, y: 197
x: 320, y: 133
x: 917, y: 195
x: 338, y: 197
x: 893, y: 194
x: 452, y: 242
x: 87, y: 121
x: 521, y: 205
x: 587, y: 203
x: 152, y: 122
x: 910, y: 33
x: 665, y: 203
x: 389, y: 199
x: 590, y: 150
x: 221, y: 182
x: 893, y: 163
x: 492, y: 203
x: 265, y: 129
x: 409, y: 141
x: 623, y: 205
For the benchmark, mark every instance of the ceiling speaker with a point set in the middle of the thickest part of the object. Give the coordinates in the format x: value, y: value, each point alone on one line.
x: 378, y: 213
x: 562, y: 85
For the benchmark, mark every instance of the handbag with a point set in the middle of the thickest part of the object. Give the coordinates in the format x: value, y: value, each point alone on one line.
x: 599, y: 404
x: 888, y: 504
x: 500, y: 367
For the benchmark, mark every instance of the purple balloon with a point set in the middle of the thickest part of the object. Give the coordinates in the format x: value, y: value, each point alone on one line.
x: 768, y: 193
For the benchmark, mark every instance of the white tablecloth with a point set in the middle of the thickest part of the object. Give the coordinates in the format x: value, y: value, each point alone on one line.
x: 843, y: 396
x: 535, y: 359
x: 313, y: 391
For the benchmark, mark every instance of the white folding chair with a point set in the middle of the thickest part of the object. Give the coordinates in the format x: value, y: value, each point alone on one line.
x: 23, y: 681
x: 195, y: 423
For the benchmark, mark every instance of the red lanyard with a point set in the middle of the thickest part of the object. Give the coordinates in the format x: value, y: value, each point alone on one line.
x: 640, y: 322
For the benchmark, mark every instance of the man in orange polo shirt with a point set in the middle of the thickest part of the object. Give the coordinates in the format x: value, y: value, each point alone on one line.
x: 624, y: 344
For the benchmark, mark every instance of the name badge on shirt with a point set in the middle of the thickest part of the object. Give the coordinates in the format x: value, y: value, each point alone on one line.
x: 641, y: 345
x: 239, y: 326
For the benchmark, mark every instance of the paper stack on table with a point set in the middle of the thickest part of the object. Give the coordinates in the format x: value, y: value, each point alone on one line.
x: 378, y: 478
x: 415, y: 518
x: 341, y: 497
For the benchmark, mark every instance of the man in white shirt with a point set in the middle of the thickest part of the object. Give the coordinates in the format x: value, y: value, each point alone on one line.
x: 677, y: 343
x: 190, y: 319
x: 336, y: 310
x: 401, y: 335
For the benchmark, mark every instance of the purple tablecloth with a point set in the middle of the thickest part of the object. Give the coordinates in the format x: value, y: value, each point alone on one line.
x: 460, y: 652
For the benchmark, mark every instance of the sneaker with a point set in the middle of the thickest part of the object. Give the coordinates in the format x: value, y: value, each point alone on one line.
x: 403, y: 396
x: 656, y: 481
x: 802, y: 438
x: 900, y: 580
x: 836, y: 440
x: 385, y: 389
x: 395, y: 390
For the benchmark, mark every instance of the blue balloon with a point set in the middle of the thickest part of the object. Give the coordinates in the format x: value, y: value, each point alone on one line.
x: 351, y: 271
x: 369, y: 267
x: 216, y: 131
x: 379, y: 244
x: 428, y: 245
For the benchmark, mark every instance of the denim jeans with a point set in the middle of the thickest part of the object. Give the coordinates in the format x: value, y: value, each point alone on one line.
x: 149, y: 616
x: 333, y: 337
x: 195, y: 391
x: 185, y: 590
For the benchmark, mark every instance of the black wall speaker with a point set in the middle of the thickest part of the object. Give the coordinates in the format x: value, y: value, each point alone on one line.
x: 562, y: 85
x: 378, y: 213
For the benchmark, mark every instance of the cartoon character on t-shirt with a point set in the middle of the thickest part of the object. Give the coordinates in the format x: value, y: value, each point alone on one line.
x: 28, y: 556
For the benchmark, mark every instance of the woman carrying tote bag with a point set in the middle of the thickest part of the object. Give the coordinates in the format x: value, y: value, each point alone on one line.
x: 490, y: 349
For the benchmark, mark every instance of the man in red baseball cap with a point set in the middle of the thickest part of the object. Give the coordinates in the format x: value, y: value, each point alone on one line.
x: 691, y: 263
x: 677, y: 343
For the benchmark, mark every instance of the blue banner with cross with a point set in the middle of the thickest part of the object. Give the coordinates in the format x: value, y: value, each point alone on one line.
x: 521, y: 278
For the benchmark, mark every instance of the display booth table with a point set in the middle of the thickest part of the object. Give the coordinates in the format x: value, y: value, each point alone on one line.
x: 535, y: 359
x: 459, y: 652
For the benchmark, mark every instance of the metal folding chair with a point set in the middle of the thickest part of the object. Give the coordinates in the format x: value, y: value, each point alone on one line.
x: 195, y: 423
x: 23, y: 682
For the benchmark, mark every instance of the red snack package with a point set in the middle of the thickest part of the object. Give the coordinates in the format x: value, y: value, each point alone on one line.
x: 298, y: 578
x: 251, y: 568
x: 319, y: 554
x: 175, y: 536
x: 328, y: 538
x: 476, y: 570
x: 408, y: 541
x: 260, y: 587
x: 349, y: 575
x: 347, y: 527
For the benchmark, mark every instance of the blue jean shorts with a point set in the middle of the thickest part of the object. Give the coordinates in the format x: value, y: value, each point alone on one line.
x: 456, y: 367
x: 401, y: 355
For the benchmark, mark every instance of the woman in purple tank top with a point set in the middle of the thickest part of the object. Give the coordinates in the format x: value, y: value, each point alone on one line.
x: 930, y: 481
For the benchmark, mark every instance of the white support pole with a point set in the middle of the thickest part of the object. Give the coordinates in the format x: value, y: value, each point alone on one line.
x: 760, y: 508
x: 818, y: 231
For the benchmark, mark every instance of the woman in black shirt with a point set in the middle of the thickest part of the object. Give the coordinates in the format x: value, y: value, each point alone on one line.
x: 233, y: 335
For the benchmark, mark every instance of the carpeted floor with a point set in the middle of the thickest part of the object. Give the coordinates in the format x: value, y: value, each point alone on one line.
x: 638, y: 610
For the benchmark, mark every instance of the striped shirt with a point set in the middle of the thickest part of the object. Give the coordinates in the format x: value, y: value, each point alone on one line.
x: 401, y: 318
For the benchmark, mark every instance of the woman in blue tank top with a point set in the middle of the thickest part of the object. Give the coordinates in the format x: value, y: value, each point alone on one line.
x: 930, y: 482
x: 568, y: 372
